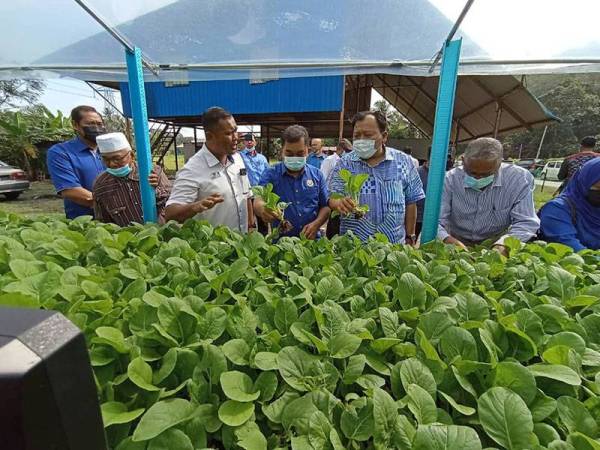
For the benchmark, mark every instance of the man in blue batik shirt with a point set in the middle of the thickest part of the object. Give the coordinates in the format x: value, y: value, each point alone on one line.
x: 74, y: 165
x: 391, y: 191
x: 302, y: 186
x: 256, y: 163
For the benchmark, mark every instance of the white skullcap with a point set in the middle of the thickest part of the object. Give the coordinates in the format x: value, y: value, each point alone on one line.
x: 112, y: 142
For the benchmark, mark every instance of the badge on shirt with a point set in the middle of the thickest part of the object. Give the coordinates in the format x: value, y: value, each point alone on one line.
x: 215, y: 175
x: 310, y: 183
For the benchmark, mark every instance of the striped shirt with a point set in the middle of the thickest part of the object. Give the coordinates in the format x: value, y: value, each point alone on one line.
x: 119, y: 200
x: 392, y: 184
x: 505, y: 208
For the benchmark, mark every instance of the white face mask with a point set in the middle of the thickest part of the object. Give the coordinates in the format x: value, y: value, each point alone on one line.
x: 364, y: 148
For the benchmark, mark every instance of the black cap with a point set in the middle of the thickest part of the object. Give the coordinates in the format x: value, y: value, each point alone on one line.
x: 248, y: 137
x: 588, y: 142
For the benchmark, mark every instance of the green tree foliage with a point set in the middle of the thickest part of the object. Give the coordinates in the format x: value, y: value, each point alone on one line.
x: 577, y: 103
x: 23, y: 132
x: 398, y: 127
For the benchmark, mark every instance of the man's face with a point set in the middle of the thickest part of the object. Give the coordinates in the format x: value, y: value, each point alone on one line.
x: 249, y: 143
x: 316, y: 145
x: 298, y: 149
x: 88, y: 119
x: 224, y: 137
x: 368, y: 129
x: 118, y: 159
x: 480, y: 168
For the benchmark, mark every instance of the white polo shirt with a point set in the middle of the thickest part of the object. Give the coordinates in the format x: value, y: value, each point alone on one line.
x: 204, y: 175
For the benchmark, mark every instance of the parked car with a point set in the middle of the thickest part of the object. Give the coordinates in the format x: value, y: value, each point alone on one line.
x: 551, y: 169
x: 13, y: 181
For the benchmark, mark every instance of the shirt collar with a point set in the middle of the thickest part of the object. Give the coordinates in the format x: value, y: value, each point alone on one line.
x: 210, y: 159
x: 81, y: 146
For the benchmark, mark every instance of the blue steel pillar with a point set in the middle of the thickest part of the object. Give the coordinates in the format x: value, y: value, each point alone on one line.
x: 441, y: 137
x: 137, y: 97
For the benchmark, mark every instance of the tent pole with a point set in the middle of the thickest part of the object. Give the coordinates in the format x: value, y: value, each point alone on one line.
x: 341, y: 127
x: 497, y: 123
x: 537, y: 156
x: 441, y: 137
x: 137, y: 97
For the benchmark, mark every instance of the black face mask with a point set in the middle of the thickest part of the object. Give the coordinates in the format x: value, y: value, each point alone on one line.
x: 593, y: 196
x: 91, y: 133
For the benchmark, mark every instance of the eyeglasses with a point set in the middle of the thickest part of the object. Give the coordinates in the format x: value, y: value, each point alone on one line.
x: 120, y: 160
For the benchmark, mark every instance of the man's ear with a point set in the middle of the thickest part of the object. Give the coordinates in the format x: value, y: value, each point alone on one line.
x: 385, y: 137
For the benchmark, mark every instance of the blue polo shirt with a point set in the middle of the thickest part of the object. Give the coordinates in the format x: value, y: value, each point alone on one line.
x: 306, y: 194
x: 73, y: 164
x: 315, y: 161
x: 255, y: 163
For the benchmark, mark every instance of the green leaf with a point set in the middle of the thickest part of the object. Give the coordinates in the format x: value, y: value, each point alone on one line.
x: 545, y: 433
x: 168, y: 365
x: 517, y: 378
x: 116, y: 413
x: 286, y: 313
x: 357, y: 422
x: 556, y: 372
x: 421, y: 404
x: 463, y: 409
x: 354, y: 368
x: 171, y: 439
x: 234, y: 413
x: 385, y: 412
x: 343, y: 345
x: 161, y: 416
x: 140, y: 374
x: 575, y: 417
x: 249, y: 437
x: 238, y: 386
x: 457, y: 342
x: 413, y: 371
x: 266, y: 360
x: 446, y: 437
x: 294, y: 366
x: 236, y: 351
x: 505, y: 418
x: 411, y: 291
x: 266, y: 383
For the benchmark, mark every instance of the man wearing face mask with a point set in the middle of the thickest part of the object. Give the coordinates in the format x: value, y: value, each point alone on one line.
x: 487, y: 200
x: 391, y: 191
x: 300, y: 185
x: 117, y: 196
x: 75, y: 164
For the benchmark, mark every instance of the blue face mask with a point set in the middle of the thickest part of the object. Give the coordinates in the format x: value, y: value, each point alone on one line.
x: 120, y: 172
x: 478, y: 183
x: 294, y: 163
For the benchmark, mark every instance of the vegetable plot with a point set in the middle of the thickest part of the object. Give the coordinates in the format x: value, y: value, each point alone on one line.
x: 202, y: 338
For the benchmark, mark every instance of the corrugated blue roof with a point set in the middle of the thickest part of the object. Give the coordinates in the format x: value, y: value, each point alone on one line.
x: 309, y: 94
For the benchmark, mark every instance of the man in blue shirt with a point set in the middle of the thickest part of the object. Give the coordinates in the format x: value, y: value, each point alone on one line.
x: 391, y: 191
x: 302, y: 186
x: 316, y: 156
x: 75, y: 164
x: 256, y: 163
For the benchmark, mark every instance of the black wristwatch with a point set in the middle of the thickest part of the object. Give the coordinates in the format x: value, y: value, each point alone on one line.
x: 412, y: 238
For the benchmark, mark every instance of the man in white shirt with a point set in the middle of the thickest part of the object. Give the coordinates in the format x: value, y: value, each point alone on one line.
x: 344, y: 146
x: 408, y: 151
x: 213, y: 185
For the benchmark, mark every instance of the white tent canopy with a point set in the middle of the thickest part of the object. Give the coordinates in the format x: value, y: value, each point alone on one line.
x: 220, y: 39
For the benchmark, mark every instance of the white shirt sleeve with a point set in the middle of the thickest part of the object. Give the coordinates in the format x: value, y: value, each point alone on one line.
x: 185, y: 187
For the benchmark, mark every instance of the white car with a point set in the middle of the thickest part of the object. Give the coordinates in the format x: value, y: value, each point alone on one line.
x: 551, y: 169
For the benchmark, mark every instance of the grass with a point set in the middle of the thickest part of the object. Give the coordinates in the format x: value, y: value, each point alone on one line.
x: 169, y: 162
x: 541, y: 198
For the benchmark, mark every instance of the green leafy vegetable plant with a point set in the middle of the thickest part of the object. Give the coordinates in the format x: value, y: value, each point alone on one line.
x: 352, y: 187
x: 272, y: 202
x: 203, y: 338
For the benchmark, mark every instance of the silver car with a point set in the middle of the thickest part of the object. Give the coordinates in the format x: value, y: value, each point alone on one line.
x: 13, y: 181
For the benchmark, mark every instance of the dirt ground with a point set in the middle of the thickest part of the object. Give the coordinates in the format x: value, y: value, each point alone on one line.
x: 41, y: 199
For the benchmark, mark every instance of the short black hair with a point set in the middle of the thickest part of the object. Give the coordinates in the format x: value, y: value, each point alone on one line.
x: 78, y: 112
x: 294, y: 133
x: 212, y: 116
x: 588, y: 142
x: 248, y: 137
x: 408, y: 150
x: 378, y: 115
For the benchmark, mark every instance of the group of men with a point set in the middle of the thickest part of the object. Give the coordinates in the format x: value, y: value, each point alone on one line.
x: 96, y: 174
